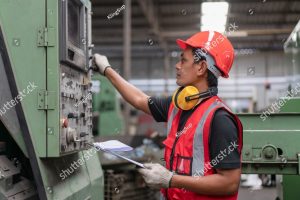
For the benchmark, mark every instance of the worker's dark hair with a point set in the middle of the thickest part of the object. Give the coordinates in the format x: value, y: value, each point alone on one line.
x: 211, y: 79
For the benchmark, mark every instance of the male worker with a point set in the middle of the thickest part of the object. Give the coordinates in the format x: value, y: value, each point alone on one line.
x: 203, y: 147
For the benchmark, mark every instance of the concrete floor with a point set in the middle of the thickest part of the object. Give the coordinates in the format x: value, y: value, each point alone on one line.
x: 263, y: 194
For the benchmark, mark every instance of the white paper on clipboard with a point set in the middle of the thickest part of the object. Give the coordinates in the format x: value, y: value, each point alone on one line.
x: 125, y: 158
x: 114, y: 145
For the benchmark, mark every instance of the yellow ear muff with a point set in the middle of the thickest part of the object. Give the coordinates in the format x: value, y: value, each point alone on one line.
x: 179, y: 99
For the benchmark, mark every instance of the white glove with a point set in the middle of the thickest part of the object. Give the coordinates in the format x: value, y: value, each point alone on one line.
x: 100, y: 63
x: 156, y: 176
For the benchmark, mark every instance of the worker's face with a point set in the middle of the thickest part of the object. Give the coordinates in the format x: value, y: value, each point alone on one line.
x: 187, y: 71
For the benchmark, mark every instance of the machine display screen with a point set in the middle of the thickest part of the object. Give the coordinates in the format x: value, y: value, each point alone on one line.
x: 74, y: 23
x: 73, y: 34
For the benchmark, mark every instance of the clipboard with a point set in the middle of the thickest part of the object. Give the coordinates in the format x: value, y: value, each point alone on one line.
x: 125, y: 158
x: 138, y: 164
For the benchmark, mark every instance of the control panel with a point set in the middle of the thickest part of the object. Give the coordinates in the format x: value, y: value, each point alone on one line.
x: 75, y: 109
x: 75, y: 77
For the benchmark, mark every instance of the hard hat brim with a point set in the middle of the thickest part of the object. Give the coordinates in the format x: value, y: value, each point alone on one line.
x: 182, y: 44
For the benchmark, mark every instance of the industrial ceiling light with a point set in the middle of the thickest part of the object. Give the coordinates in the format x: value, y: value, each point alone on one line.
x: 214, y: 16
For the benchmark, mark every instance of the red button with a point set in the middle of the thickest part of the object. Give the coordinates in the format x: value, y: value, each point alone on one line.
x: 64, y: 123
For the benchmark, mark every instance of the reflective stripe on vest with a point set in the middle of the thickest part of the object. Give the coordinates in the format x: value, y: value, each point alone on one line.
x: 198, y: 147
x: 170, y: 120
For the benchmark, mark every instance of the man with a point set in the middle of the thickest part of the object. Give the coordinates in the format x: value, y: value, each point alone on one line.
x: 203, y: 147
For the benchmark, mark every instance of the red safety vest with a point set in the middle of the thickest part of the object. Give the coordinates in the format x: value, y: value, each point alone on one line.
x: 188, y: 152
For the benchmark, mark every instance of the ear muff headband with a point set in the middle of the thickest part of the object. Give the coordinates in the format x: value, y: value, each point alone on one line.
x: 210, y: 92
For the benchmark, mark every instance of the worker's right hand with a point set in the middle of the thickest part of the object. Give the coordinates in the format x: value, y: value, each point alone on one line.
x: 156, y: 176
x: 100, y: 63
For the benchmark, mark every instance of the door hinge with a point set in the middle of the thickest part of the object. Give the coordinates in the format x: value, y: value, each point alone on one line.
x: 46, y: 100
x: 46, y: 37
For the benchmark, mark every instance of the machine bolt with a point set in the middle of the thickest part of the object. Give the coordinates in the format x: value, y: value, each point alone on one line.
x: 269, y: 153
x: 283, y: 159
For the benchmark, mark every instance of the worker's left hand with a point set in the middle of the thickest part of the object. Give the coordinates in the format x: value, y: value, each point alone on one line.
x: 156, y: 176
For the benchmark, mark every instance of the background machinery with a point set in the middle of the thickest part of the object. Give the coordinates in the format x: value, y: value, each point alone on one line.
x: 47, y: 114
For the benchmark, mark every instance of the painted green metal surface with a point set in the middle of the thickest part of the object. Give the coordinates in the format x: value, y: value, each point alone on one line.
x: 292, y: 105
x: 269, y: 146
x: 86, y: 182
x: 22, y: 23
x: 290, y: 187
x: 290, y: 183
x: 105, y: 102
x: 52, y: 126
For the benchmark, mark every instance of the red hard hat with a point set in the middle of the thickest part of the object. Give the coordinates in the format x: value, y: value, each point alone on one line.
x: 216, y: 44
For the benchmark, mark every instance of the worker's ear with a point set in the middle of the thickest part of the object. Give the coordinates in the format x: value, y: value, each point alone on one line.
x: 201, y: 68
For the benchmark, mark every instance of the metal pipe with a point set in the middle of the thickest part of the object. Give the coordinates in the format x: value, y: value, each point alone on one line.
x: 127, y: 55
x: 167, y: 65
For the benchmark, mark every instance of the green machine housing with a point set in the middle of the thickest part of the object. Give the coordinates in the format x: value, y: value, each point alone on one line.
x: 271, y: 143
x: 107, y: 117
x: 45, y: 50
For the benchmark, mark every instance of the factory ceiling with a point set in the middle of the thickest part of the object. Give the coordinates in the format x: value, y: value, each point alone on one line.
x: 261, y: 25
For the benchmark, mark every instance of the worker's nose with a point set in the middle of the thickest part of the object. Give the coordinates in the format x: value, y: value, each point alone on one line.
x: 178, y: 65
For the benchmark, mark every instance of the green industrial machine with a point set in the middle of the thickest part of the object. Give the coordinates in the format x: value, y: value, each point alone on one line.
x: 271, y: 146
x: 290, y: 183
x: 105, y: 101
x: 268, y: 145
x: 271, y: 142
x: 45, y: 106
